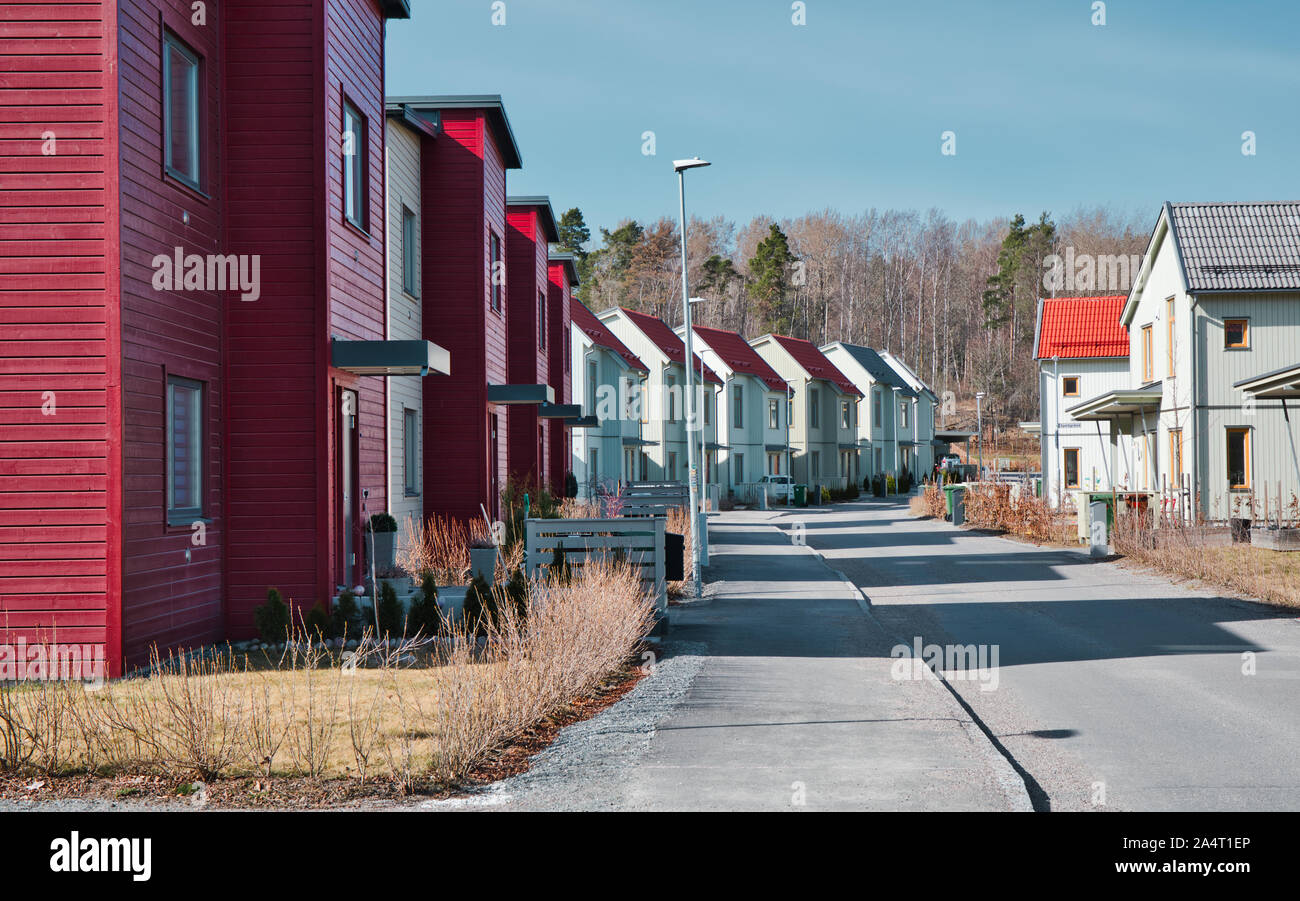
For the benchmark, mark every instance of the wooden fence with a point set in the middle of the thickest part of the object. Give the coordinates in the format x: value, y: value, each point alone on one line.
x: 652, y: 498
x: 640, y: 540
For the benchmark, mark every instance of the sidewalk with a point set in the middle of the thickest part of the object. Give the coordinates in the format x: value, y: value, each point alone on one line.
x: 775, y: 692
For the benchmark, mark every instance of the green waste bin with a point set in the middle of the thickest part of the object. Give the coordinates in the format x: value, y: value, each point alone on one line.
x: 949, y: 491
x: 801, y: 495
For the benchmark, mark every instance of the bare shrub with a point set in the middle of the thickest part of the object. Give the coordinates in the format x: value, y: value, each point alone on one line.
x: 929, y: 503
x: 439, y: 545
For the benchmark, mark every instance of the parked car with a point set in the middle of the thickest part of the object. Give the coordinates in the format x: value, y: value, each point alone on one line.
x: 948, y: 461
x: 777, y: 486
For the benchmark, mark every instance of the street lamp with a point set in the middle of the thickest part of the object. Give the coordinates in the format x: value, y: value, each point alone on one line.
x: 697, y: 520
x: 979, y: 424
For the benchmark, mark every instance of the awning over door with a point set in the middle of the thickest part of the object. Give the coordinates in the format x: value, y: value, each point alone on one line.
x: 521, y: 394
x: 1283, y: 384
x: 390, y: 357
x: 1120, y: 402
x: 581, y: 422
x: 559, y: 411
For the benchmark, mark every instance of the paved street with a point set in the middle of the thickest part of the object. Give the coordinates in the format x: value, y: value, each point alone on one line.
x: 776, y: 694
x: 1108, y: 675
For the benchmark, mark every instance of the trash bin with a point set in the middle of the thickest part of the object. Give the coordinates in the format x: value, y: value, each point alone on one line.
x: 948, y: 491
x: 958, y: 504
x: 674, y: 556
x: 801, y: 495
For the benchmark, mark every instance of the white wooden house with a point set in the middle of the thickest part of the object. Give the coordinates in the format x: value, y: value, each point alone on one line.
x: 823, y: 413
x: 607, y: 382
x: 664, y: 427
x: 884, y: 433
x: 1214, y: 310
x: 1082, y: 351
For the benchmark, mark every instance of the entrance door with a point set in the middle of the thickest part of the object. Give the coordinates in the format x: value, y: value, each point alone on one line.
x: 347, y: 486
x: 494, y: 485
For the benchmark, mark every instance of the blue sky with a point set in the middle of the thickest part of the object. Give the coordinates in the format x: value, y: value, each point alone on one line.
x: 1050, y: 112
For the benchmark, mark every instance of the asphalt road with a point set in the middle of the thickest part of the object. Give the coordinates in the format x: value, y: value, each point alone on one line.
x: 1116, y: 689
x: 776, y: 692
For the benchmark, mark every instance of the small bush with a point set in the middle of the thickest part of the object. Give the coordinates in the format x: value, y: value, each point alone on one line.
x: 517, y: 593
x: 480, y: 605
x: 272, y: 618
x: 570, y: 485
x: 317, y: 622
x: 559, y: 569
x: 425, y: 617
x: 345, y: 618
x: 383, y: 522
x: 392, y: 617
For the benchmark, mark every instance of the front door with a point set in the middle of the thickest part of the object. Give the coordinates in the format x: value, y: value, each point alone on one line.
x: 347, y: 486
x: 494, y: 485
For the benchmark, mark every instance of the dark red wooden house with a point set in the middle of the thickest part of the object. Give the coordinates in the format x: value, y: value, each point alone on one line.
x: 192, y: 297
x: 562, y: 273
x: 530, y: 227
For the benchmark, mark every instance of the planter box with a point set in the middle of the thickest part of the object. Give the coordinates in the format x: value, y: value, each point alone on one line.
x: 451, y: 600
x: 1193, y: 536
x: 1276, y: 539
x: 483, y: 560
x: 384, y: 550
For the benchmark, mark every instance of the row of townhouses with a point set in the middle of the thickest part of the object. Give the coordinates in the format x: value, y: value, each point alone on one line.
x: 771, y: 406
x: 247, y: 302
x: 1180, y: 388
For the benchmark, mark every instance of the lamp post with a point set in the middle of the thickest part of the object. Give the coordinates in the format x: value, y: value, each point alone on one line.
x: 979, y: 424
x: 697, y: 520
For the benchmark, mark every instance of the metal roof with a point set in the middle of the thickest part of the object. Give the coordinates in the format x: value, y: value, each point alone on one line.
x: 673, y: 347
x: 743, y: 359
x: 1238, y: 246
x: 815, y: 363
x: 879, y: 370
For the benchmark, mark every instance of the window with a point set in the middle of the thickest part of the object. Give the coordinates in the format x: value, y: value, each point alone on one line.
x: 670, y: 386
x: 591, y: 387
x: 184, y: 450
x: 565, y: 350
x: 1070, y: 466
x: 879, y: 460
x: 410, y: 250
x: 708, y: 406
x: 1176, y: 457
x: 773, y: 414
x: 181, y: 146
x: 902, y: 414
x: 645, y: 410
x: 411, y: 451
x: 738, y: 406
x: 645, y: 466
x: 1147, y: 371
x: 1238, y: 458
x: 1070, y: 386
x: 1169, y: 337
x: 1236, y: 333
x: 670, y: 471
x: 738, y: 461
x: 816, y: 465
x: 595, y: 463
x: 814, y: 401
x: 846, y: 415
x: 496, y: 269
x: 541, y: 319
x: 875, y: 408
x: 355, y: 166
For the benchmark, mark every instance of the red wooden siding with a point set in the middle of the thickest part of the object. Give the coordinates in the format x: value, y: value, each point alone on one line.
x: 276, y: 408
x: 526, y: 262
x: 167, y: 600
x: 558, y: 366
x: 356, y: 290
x: 60, y: 474
x: 463, y: 205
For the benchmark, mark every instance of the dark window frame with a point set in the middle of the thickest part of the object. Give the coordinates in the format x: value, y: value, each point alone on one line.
x: 360, y: 167
x: 172, y: 41
x: 410, y: 253
x: 494, y: 265
x: 410, y: 452
x: 188, y: 514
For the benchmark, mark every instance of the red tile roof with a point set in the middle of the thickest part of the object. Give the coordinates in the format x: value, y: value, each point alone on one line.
x: 666, y: 340
x: 1082, y: 327
x: 596, y: 330
x: 815, y: 363
x: 736, y: 353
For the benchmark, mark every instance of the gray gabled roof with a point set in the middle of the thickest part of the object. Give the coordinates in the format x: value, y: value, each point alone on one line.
x: 879, y: 370
x: 1238, y: 246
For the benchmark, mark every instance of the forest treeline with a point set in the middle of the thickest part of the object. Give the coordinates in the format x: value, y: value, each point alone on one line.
x: 956, y: 300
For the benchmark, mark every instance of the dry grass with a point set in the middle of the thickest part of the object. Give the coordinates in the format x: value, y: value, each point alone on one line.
x: 441, y: 546
x: 991, y: 505
x: 318, y: 716
x: 930, y: 503
x: 1239, y: 569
